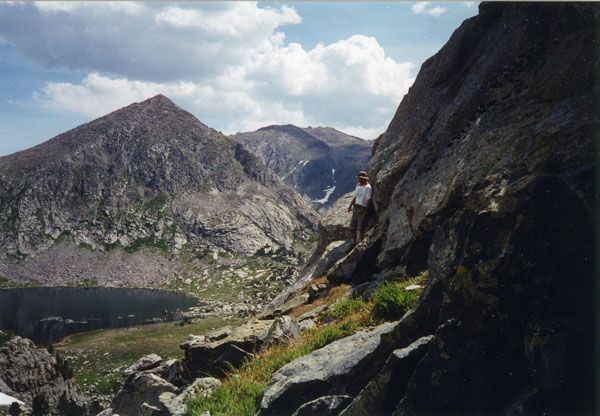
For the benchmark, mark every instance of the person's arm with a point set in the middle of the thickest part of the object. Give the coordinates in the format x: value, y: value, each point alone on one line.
x: 352, y: 203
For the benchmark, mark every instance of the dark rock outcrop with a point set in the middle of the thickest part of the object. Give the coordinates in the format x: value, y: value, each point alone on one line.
x: 149, y: 176
x: 380, y: 397
x: 32, y: 374
x: 323, y: 406
x: 320, y: 162
x: 486, y: 177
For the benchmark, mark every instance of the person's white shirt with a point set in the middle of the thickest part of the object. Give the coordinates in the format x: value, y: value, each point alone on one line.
x: 362, y: 194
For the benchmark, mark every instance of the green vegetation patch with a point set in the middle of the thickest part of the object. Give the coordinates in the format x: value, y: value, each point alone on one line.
x: 148, y: 242
x: 392, y: 299
x: 345, y: 307
x: 64, y: 237
x: 156, y: 203
x: 99, y: 357
x: 83, y: 283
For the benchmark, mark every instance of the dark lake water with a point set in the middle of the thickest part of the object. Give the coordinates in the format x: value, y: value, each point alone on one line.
x: 50, y: 313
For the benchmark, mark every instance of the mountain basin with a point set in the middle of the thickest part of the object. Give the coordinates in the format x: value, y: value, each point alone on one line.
x: 47, y: 314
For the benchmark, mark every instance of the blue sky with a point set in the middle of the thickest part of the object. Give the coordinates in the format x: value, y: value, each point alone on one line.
x: 237, y: 66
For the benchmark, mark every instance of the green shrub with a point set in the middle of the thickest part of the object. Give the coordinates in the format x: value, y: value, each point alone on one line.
x: 391, y: 301
x: 345, y: 308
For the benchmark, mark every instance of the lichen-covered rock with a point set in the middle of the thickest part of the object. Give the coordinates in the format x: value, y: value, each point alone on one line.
x: 333, y: 245
x: 486, y: 177
x: 341, y: 368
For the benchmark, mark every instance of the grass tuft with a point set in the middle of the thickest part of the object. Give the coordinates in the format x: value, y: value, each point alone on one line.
x: 391, y: 300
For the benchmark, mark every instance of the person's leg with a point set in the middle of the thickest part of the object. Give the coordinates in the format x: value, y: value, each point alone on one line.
x: 352, y: 234
x: 361, y: 225
x: 353, y: 224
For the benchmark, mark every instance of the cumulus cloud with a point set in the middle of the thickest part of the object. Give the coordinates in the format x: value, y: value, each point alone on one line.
x: 227, y: 63
x: 98, y: 95
x: 423, y: 7
x: 146, y: 41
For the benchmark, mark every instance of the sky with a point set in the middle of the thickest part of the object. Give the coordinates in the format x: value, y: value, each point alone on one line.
x: 237, y: 66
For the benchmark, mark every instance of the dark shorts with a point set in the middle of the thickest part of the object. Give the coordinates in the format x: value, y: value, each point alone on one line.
x: 358, y: 220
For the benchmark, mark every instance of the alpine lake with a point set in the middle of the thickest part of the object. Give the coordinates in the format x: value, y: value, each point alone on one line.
x: 48, y: 314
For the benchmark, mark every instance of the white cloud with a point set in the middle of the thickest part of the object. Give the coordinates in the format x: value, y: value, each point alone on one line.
x: 437, y: 11
x: 363, y: 132
x: 420, y: 7
x: 98, y: 95
x: 227, y: 63
x: 150, y: 41
x: 94, y: 7
x: 349, y: 84
x: 423, y: 7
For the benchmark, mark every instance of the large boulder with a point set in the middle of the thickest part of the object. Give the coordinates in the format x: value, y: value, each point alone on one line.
x: 341, y: 368
x: 147, y: 362
x: 215, y: 352
x: 317, y: 266
x: 144, y: 389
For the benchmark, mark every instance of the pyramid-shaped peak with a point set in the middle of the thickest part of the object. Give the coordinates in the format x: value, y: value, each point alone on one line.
x: 153, y: 107
x: 158, y: 100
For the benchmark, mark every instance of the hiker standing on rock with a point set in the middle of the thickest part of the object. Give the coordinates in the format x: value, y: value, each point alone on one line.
x: 358, y: 206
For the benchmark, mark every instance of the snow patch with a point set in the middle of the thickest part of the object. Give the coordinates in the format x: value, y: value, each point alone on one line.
x: 328, y: 192
x: 300, y: 165
x: 6, y: 400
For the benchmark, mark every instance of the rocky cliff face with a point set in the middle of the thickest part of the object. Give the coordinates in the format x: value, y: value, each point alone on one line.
x: 148, y: 176
x: 486, y: 178
x: 319, y: 162
x: 38, y: 379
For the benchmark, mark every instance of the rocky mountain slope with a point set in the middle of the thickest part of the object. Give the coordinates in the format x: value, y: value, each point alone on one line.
x: 320, y: 162
x: 137, y: 193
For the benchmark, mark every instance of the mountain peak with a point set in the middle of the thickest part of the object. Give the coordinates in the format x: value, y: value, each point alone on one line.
x: 159, y: 101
